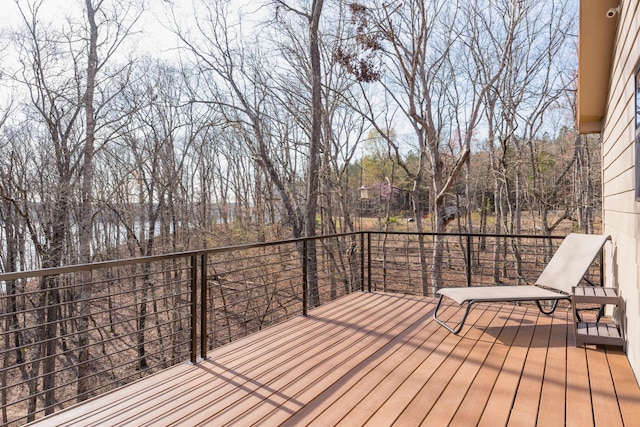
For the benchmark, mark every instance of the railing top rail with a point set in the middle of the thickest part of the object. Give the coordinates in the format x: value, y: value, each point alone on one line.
x: 187, y: 254
x: 154, y: 258
x: 430, y: 233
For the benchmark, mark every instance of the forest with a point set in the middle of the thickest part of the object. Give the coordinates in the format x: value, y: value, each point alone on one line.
x: 279, y: 119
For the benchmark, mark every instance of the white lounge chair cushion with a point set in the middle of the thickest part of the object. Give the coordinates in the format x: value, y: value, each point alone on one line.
x: 500, y: 293
x: 571, y: 261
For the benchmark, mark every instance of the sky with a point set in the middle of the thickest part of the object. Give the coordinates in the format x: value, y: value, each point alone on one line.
x: 154, y: 38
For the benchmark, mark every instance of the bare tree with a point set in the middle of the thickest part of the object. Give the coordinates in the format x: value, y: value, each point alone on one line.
x: 59, y: 69
x: 240, y: 88
x: 233, y: 79
x: 534, y: 82
x: 55, y: 96
x: 115, y: 24
x: 312, y: 18
x: 150, y: 154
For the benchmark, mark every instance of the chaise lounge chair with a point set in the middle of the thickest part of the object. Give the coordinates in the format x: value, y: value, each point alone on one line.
x: 564, y: 271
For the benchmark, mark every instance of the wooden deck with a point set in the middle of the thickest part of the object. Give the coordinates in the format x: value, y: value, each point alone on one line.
x: 379, y: 359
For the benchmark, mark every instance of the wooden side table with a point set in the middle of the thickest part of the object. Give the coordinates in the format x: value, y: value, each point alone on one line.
x: 596, y: 332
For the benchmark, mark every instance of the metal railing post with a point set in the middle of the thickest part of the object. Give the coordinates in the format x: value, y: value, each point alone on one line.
x: 362, y: 262
x: 194, y: 308
x: 305, y: 280
x: 369, y: 262
x: 203, y: 306
x: 468, y: 260
x: 602, y: 267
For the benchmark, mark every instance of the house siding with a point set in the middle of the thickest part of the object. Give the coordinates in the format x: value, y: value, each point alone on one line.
x: 621, y: 211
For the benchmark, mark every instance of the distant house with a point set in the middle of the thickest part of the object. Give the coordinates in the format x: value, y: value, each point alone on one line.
x: 609, y: 104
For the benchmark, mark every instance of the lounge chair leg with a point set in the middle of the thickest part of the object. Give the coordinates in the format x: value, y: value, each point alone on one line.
x: 449, y: 328
x: 553, y: 307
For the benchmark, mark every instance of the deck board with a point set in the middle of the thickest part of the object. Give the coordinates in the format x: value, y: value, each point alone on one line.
x: 627, y: 390
x: 504, y: 390
x: 379, y: 359
x: 333, y: 392
x: 431, y: 391
x: 299, y: 374
x: 452, y: 398
x: 267, y: 383
x: 551, y: 411
x: 525, y: 408
x: 429, y: 366
x: 479, y: 391
x: 603, y: 395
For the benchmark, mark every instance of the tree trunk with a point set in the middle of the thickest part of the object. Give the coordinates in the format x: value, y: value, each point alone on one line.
x: 313, y: 172
x: 86, y: 220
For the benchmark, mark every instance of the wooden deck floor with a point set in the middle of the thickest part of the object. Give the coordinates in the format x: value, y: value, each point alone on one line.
x: 379, y: 359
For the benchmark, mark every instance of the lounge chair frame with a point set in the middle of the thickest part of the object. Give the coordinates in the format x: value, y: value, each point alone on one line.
x: 470, y: 302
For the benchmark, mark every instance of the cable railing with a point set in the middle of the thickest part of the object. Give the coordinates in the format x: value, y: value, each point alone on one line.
x: 404, y: 262
x: 71, y: 333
